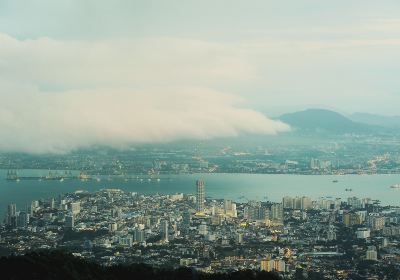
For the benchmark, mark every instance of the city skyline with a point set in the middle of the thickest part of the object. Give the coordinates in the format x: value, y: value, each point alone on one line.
x: 292, y: 235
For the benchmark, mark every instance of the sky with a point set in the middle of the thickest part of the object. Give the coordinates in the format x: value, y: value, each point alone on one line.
x: 75, y: 73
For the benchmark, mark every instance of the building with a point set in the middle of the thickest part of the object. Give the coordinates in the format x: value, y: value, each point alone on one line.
x: 287, y: 202
x: 371, y: 254
x: 12, y: 215
x: 70, y: 222
x: 126, y: 241
x: 203, y: 230
x: 230, y: 208
x: 186, y: 219
x: 138, y: 235
x: 266, y: 265
x: 300, y: 203
x: 351, y: 219
x: 164, y: 230
x: 75, y: 207
x: 277, y: 212
x: 363, y: 233
x: 376, y: 222
x: 113, y: 227
x: 23, y: 220
x: 277, y: 265
x: 200, y: 196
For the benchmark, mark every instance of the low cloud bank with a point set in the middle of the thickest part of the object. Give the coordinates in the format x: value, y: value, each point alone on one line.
x: 57, y: 96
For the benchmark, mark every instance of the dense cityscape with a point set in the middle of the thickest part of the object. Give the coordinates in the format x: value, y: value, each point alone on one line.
x: 199, y: 140
x: 299, y: 236
x: 359, y: 154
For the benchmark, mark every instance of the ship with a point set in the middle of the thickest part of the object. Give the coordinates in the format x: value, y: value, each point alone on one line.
x: 335, y: 181
x: 12, y: 175
x: 84, y: 177
x: 348, y: 190
x: 395, y: 186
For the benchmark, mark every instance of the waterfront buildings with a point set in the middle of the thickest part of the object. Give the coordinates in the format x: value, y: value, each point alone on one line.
x: 113, y: 226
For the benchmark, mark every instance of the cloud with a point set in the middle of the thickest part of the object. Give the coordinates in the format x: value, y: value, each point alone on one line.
x: 74, y: 64
x: 57, y: 96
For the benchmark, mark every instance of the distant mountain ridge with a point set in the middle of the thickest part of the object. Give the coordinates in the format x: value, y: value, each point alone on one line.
x: 326, y: 121
x: 372, y: 119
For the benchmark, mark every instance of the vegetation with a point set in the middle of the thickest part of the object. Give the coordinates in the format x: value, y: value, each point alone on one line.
x: 49, y: 265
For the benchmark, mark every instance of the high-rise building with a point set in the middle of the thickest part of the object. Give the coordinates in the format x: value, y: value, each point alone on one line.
x: 277, y: 212
x: 200, y: 196
x: 303, y: 203
x: 164, y: 230
x: 52, y: 203
x: 288, y: 202
x: 12, y: 215
x: 273, y: 265
x: 126, y: 241
x: 371, y: 253
x: 23, y: 220
x: 75, y: 207
x: 70, y: 221
x: 203, y: 229
x: 138, y: 235
x: 186, y: 218
x: 266, y: 265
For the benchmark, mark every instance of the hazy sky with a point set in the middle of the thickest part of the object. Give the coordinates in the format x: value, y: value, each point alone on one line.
x: 76, y: 73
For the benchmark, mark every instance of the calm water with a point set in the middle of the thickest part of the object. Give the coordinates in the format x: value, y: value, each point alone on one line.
x: 232, y: 186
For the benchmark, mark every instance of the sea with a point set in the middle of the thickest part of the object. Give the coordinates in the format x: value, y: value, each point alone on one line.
x: 238, y: 187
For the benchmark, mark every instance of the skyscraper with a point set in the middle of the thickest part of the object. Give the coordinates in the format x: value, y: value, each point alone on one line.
x: 186, y: 219
x: 12, y: 210
x: 69, y: 221
x: 139, y: 235
x: 164, y: 230
x: 200, y: 196
x: 12, y: 215
x: 277, y: 212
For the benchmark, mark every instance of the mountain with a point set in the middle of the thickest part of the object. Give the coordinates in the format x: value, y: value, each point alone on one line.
x: 371, y: 119
x: 326, y: 121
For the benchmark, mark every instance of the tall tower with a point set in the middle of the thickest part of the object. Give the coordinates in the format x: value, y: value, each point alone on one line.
x: 200, y: 195
x: 164, y: 230
x: 12, y: 215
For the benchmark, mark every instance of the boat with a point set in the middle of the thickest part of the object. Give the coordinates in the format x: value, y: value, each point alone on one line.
x: 348, y: 190
x: 84, y: 177
x: 395, y: 186
x: 335, y: 181
x: 12, y: 175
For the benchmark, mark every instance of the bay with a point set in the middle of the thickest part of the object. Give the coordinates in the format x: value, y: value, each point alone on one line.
x: 238, y: 187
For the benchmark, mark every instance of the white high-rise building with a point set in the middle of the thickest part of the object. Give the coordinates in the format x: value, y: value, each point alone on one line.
x: 75, y: 207
x: 164, y: 230
x: 371, y: 253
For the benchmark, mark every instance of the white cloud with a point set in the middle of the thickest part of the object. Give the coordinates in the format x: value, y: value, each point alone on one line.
x: 60, y: 95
